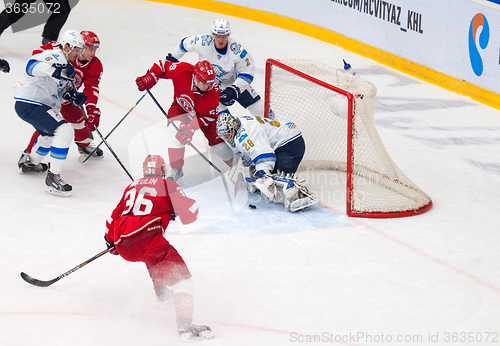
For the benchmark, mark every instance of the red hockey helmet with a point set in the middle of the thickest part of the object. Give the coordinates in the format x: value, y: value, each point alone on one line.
x: 154, y: 165
x: 91, y: 39
x: 204, y: 71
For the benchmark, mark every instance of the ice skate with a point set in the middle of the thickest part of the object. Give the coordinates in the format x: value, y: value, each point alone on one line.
x: 87, y: 151
x: 57, y: 186
x: 176, y: 175
x: 26, y: 166
x: 191, y: 332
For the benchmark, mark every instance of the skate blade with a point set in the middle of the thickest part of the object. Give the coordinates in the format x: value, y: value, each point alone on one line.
x: 29, y: 171
x: 190, y: 337
x: 56, y: 192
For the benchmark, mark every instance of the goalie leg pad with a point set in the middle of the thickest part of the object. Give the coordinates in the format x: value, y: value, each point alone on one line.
x: 299, y: 199
x: 292, y: 193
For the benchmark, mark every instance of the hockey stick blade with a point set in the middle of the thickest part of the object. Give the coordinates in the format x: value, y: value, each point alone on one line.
x: 37, y: 282
x: 82, y: 158
x: 41, y: 283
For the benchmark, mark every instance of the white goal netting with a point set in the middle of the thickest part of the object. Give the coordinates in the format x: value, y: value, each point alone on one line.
x: 335, y: 111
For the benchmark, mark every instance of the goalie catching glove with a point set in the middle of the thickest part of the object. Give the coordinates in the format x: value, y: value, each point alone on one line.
x: 64, y: 71
x: 146, y: 82
x: 185, y: 134
x: 229, y: 95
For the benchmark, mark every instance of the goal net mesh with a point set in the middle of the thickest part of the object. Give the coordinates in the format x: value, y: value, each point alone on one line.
x: 334, y: 111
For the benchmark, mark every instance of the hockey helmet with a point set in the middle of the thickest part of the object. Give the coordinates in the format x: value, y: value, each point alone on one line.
x: 72, y: 38
x: 154, y: 165
x: 227, y: 127
x: 221, y: 27
x: 204, y: 72
x: 91, y: 39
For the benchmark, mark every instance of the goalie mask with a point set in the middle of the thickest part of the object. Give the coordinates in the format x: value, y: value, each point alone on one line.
x: 227, y: 127
x: 154, y: 165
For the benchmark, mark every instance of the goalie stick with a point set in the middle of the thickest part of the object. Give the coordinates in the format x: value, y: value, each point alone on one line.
x: 41, y: 283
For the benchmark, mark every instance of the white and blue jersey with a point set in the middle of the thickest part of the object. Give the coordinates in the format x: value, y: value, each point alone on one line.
x: 258, y: 138
x: 235, y: 67
x: 40, y: 87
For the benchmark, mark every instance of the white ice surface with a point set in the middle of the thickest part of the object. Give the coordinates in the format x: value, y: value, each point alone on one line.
x: 263, y: 276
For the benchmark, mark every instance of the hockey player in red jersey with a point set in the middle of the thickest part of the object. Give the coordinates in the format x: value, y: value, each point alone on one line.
x: 135, y: 232
x: 196, y: 98
x: 88, y: 70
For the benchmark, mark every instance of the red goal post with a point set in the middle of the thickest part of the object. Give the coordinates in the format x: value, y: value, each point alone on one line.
x: 334, y: 111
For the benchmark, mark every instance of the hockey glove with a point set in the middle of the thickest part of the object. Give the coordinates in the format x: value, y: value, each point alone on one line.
x: 264, y: 182
x: 76, y: 98
x: 171, y: 58
x: 111, y: 246
x: 229, y: 95
x: 146, y: 82
x: 185, y: 134
x: 64, y: 71
x: 93, y: 117
x: 4, y: 66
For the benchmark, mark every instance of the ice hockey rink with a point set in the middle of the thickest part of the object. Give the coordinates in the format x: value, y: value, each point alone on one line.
x: 263, y: 276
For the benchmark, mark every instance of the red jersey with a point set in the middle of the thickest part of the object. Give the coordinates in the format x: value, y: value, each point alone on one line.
x: 88, y: 74
x: 187, y: 97
x: 145, y: 201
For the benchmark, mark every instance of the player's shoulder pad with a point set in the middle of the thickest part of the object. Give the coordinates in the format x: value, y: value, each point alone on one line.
x: 205, y: 40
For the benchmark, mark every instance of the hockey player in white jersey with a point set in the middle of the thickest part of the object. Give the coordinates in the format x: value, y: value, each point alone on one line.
x: 233, y: 65
x: 38, y: 102
x: 276, y: 150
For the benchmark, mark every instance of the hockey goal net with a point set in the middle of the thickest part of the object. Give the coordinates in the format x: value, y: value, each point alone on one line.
x: 334, y: 111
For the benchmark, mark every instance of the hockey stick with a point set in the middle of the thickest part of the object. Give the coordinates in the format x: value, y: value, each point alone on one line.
x: 170, y: 122
x: 100, y: 135
x: 41, y: 283
x: 110, y: 132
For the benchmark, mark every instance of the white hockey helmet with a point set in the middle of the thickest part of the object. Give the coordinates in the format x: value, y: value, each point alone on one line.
x: 227, y: 127
x: 73, y: 38
x: 221, y: 27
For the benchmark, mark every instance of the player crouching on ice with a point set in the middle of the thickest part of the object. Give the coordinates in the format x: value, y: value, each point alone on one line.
x: 276, y: 149
x: 135, y: 232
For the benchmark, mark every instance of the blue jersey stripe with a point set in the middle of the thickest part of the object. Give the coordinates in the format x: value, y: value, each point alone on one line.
x: 59, y: 153
x: 181, y: 45
x: 290, y: 139
x: 28, y: 101
x: 265, y: 158
x: 246, y: 77
x: 30, y: 66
